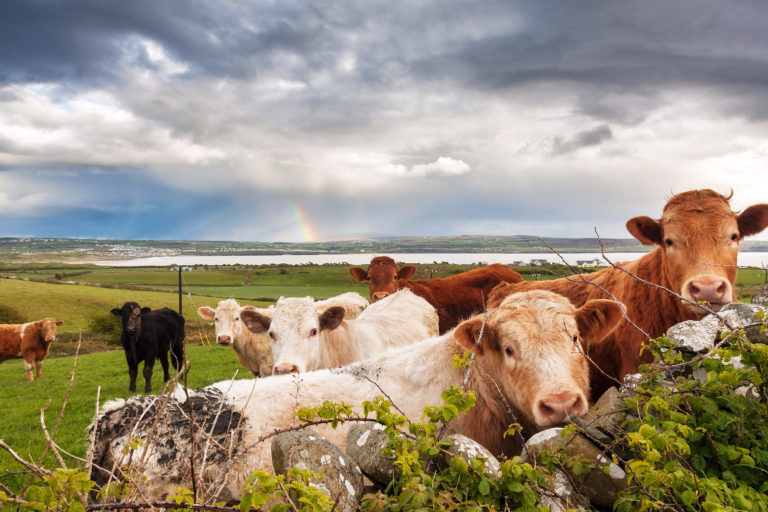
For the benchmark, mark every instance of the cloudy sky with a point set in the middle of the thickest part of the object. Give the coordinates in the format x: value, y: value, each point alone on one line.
x: 296, y: 120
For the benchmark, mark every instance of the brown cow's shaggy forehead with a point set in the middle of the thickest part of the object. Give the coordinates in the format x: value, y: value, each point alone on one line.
x: 694, y: 203
x: 699, y: 214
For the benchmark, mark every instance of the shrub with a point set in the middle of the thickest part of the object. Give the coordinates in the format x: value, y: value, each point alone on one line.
x: 9, y: 315
x: 107, y: 325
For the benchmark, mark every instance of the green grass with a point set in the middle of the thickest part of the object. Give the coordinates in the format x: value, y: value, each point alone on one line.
x: 21, y: 401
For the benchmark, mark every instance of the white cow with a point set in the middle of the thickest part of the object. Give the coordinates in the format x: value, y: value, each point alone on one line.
x: 253, y: 349
x: 305, y: 339
x: 529, y: 368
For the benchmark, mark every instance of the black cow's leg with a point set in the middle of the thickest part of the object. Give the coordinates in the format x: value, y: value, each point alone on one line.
x: 164, y: 364
x: 148, y: 364
x: 133, y: 371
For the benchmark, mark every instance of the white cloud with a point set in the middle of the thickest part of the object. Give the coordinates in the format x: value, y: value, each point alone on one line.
x: 443, y: 166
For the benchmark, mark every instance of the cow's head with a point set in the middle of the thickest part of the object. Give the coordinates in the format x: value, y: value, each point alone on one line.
x: 226, y: 319
x: 699, y: 238
x: 531, y: 347
x: 295, y: 332
x: 131, y: 315
x: 48, y: 327
x: 382, y: 276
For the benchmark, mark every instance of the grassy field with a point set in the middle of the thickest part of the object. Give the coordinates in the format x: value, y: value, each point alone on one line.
x: 21, y: 401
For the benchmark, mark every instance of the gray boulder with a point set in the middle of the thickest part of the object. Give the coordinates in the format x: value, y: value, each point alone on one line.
x: 467, y: 449
x: 365, y: 443
x: 740, y: 315
x: 342, y: 480
x: 608, y: 413
x: 695, y: 336
x: 760, y: 298
x: 562, y: 495
x: 600, y: 486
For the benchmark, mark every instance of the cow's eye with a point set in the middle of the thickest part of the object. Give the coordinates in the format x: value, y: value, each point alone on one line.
x: 735, y: 237
x: 669, y: 242
x: 313, y: 332
x: 272, y: 335
x: 236, y: 319
x: 215, y: 319
x: 509, y: 351
x: 575, y: 338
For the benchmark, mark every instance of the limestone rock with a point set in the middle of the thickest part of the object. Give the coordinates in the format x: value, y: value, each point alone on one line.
x: 693, y: 336
x: 608, y: 413
x: 365, y: 442
x: 740, y: 315
x: 600, y: 488
x: 564, y: 497
x: 468, y: 449
x: 760, y: 298
x: 305, y: 449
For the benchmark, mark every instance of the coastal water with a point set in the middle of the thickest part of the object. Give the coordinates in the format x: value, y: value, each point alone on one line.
x: 746, y: 259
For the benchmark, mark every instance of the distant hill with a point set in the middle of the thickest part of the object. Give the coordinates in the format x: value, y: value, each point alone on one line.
x: 85, y: 249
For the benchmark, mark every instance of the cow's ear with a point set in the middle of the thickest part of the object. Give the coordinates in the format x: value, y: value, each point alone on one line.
x: 145, y: 310
x: 360, y: 275
x: 468, y: 333
x: 117, y: 312
x: 753, y: 220
x: 60, y: 322
x: 598, y: 318
x: 255, y: 321
x: 406, y: 272
x: 331, y: 318
x: 206, y: 312
x: 645, y: 229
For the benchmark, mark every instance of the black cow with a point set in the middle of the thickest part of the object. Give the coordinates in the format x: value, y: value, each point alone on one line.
x: 148, y: 335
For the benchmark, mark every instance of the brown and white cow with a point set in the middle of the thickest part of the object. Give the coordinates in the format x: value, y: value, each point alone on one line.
x: 307, y: 336
x: 528, y: 369
x: 697, y: 241
x: 253, y: 350
x: 30, y: 341
x: 455, y: 298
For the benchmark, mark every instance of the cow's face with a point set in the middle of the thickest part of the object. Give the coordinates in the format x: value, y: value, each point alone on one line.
x: 382, y: 276
x: 295, y: 330
x: 131, y: 315
x: 226, y: 319
x: 531, y: 348
x: 699, y: 237
x: 48, y: 327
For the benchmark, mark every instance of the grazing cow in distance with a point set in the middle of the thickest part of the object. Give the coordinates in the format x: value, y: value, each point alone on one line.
x: 528, y: 368
x: 455, y: 298
x: 307, y: 337
x: 253, y: 350
x: 30, y: 341
x: 148, y: 335
x: 697, y: 241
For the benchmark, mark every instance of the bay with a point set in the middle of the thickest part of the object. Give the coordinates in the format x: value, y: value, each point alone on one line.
x: 746, y: 259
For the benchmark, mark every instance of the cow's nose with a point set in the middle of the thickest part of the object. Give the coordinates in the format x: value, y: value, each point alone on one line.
x: 555, y: 408
x: 223, y: 339
x: 713, y: 290
x: 379, y: 295
x: 284, y: 369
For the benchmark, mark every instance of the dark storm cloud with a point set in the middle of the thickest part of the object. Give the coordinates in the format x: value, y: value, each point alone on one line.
x: 586, y: 138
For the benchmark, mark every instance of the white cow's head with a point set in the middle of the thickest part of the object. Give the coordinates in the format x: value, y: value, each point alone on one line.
x: 295, y: 331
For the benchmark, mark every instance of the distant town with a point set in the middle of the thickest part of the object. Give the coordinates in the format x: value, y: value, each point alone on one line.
x: 33, y: 249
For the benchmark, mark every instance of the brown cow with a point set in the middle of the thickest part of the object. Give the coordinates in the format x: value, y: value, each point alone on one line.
x: 455, y: 298
x: 698, y: 242
x: 29, y: 341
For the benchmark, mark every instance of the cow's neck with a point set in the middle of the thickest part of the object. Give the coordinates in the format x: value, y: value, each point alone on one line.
x: 338, y: 347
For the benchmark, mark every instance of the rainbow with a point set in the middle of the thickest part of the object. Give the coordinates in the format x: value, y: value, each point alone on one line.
x: 307, y: 231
